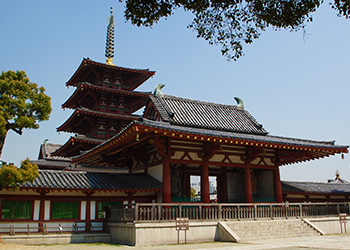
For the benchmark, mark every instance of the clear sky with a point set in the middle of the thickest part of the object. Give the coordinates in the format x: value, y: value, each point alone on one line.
x: 296, y: 87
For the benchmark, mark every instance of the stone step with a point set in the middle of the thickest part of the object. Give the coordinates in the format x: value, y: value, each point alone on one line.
x: 258, y: 230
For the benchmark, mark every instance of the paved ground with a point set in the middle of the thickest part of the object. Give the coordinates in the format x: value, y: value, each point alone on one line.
x: 339, y: 241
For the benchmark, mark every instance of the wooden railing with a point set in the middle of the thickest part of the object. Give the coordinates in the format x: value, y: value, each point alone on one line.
x: 51, y: 227
x: 223, y: 211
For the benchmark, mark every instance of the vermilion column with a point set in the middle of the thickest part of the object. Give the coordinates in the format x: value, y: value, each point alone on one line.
x: 248, y: 184
x: 205, y: 194
x: 42, y: 206
x: 88, y: 212
x: 223, y: 180
x: 277, y: 183
x: 166, y: 180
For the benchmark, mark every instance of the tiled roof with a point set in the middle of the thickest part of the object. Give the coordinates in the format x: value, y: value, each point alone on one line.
x: 314, y: 187
x: 73, y: 180
x: 53, y: 164
x: 136, y: 76
x: 240, y: 136
x: 80, y: 93
x: 192, y: 113
x: 308, y: 149
x: 68, y: 125
x: 97, y: 169
x: 46, y: 149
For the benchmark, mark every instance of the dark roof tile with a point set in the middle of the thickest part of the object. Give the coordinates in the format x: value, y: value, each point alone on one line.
x: 91, y: 180
x: 314, y: 187
x: 192, y: 113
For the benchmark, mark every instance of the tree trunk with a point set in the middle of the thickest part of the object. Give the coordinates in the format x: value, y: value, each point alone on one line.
x: 2, y: 143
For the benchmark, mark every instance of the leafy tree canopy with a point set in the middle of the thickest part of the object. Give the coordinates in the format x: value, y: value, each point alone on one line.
x: 232, y: 23
x: 11, y: 176
x: 22, y: 104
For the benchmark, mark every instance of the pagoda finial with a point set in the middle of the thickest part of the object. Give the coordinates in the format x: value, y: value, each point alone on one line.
x: 110, y: 39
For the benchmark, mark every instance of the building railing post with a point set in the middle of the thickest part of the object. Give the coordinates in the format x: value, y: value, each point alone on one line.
x: 255, y: 212
x: 220, y: 212
x: 136, y: 212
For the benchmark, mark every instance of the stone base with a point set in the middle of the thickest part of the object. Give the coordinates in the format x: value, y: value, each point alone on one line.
x: 64, y: 238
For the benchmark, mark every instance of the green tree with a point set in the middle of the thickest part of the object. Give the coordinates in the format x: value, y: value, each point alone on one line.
x: 11, y: 176
x: 22, y: 104
x: 193, y: 193
x: 232, y: 23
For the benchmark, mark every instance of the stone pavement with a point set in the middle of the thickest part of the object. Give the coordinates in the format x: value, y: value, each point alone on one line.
x: 327, y: 242
x: 340, y: 241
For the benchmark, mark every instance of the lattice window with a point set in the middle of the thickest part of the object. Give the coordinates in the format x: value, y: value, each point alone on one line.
x: 65, y: 210
x: 17, y: 209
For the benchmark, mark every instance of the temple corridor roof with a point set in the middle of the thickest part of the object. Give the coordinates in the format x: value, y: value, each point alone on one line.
x: 74, y: 180
x: 315, y: 187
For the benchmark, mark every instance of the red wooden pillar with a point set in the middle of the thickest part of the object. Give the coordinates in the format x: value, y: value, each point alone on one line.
x: 223, y: 185
x: 278, y: 186
x: 248, y: 184
x: 166, y: 180
x: 205, y: 193
x: 42, y: 206
x: 88, y: 212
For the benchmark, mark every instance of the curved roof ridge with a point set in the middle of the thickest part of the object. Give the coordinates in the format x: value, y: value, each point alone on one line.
x: 200, y: 114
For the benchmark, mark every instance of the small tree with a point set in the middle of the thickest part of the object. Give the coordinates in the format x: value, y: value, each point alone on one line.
x: 11, y: 176
x: 193, y: 193
x: 22, y: 104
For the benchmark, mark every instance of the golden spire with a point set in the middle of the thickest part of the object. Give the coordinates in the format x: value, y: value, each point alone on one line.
x: 110, y: 39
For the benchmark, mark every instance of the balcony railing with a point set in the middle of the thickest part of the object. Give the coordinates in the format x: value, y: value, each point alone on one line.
x: 148, y: 212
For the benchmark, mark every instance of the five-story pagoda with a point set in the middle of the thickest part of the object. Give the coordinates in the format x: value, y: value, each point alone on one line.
x: 104, y: 100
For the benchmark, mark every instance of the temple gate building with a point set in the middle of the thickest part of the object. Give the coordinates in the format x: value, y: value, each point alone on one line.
x: 119, y: 158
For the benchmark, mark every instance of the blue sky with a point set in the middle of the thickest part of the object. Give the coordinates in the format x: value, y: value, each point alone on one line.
x: 296, y: 87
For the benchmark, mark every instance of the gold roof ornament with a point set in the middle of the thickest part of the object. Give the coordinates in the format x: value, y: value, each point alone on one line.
x: 110, y: 39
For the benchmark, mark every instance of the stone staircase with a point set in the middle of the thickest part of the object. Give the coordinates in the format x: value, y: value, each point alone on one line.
x: 271, y: 229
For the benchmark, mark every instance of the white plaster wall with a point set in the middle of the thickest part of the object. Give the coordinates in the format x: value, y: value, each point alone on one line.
x: 92, y: 210
x: 83, y: 210
x: 156, y: 172
x: 36, y: 209
x: 47, y: 210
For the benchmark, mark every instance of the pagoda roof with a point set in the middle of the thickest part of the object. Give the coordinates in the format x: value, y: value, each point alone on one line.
x: 291, y: 150
x: 199, y: 114
x: 76, y: 143
x: 92, y: 181
x: 135, y: 76
x: 79, y: 113
x: 80, y: 93
x: 315, y: 187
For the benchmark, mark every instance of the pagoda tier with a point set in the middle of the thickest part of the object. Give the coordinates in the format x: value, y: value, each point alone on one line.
x: 105, y: 99
x: 109, y: 76
x: 96, y: 124
x: 76, y: 145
